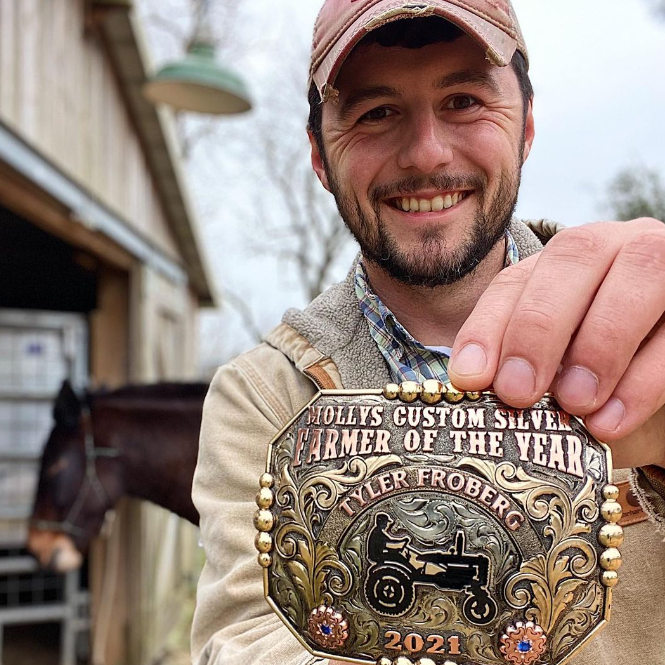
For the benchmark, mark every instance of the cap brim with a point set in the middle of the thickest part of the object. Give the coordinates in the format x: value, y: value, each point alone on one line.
x: 498, y: 45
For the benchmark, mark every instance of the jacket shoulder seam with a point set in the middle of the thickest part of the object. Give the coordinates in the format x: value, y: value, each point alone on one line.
x: 271, y: 399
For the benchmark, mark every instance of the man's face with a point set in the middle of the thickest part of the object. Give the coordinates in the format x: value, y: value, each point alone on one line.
x: 423, y: 151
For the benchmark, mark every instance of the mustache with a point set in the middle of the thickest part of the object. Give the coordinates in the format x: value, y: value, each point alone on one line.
x: 442, y: 181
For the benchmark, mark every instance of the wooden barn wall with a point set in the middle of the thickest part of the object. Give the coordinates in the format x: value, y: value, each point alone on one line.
x: 58, y: 91
x: 145, y: 569
x: 164, y: 565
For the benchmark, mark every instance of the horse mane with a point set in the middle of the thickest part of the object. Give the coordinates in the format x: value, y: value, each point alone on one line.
x: 153, y: 391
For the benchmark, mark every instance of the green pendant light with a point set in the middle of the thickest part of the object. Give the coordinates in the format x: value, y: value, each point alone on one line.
x: 197, y: 83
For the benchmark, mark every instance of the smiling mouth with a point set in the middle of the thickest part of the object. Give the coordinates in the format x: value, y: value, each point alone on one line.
x: 434, y: 204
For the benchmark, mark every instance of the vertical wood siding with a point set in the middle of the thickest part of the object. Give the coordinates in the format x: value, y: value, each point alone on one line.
x: 58, y: 91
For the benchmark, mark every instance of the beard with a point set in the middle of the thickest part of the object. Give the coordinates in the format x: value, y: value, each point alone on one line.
x: 433, y: 263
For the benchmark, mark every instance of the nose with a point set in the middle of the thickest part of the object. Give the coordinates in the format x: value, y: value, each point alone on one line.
x: 425, y: 143
x: 54, y: 551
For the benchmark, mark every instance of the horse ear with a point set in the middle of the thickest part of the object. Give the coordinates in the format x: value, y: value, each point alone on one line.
x: 67, y: 408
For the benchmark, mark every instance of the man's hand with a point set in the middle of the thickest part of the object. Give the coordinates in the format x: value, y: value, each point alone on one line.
x: 583, y: 318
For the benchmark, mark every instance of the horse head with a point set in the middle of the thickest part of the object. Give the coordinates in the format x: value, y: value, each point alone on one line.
x: 77, y: 487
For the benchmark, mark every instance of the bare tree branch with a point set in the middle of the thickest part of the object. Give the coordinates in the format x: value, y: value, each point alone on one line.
x: 246, y: 314
x: 260, y: 163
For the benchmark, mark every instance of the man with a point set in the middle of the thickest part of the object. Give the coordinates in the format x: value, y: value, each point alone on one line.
x: 421, y: 120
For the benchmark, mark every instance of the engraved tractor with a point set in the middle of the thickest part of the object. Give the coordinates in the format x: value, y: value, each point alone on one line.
x: 397, y: 567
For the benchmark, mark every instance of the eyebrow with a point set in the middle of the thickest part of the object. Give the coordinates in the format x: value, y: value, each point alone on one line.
x: 475, y: 77
x: 362, y: 95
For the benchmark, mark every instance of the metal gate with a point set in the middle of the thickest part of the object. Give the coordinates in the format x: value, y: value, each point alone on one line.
x: 37, y: 351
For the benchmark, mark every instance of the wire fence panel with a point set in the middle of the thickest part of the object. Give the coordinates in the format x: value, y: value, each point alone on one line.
x: 38, y: 350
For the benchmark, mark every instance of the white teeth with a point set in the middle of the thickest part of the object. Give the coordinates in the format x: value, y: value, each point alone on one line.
x: 412, y: 204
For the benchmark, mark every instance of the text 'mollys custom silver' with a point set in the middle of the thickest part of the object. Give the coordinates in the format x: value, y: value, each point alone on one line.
x: 423, y: 524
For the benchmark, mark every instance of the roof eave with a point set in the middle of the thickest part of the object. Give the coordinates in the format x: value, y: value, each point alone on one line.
x: 125, y: 42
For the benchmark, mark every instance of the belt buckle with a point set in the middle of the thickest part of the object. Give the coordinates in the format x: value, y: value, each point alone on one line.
x: 421, y: 524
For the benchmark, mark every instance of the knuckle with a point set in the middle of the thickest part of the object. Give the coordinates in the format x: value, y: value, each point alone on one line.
x: 646, y: 224
x: 604, y: 330
x: 533, y: 319
x: 513, y: 277
x: 579, y: 243
x: 481, y: 326
x: 646, y: 252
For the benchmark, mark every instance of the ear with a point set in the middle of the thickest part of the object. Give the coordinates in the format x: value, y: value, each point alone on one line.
x: 317, y: 161
x: 67, y: 408
x: 529, y: 132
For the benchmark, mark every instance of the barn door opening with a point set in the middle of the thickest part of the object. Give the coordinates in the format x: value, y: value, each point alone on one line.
x: 47, y: 289
x: 37, y: 351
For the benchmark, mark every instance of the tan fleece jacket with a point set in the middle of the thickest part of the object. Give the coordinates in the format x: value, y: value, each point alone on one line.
x: 253, y: 397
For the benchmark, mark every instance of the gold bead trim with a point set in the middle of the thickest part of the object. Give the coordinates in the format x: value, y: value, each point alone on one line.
x: 610, y: 492
x: 264, y: 560
x: 266, y: 480
x: 264, y: 520
x: 391, y: 391
x: 265, y: 498
x: 611, y: 511
x: 609, y: 578
x: 430, y: 391
x: 610, y: 536
x: 610, y: 559
x: 263, y: 542
x: 410, y: 391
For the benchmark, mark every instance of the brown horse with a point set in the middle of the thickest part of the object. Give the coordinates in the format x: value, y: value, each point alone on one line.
x: 140, y: 441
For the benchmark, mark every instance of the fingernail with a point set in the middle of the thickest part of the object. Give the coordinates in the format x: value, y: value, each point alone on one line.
x: 470, y: 361
x: 610, y: 416
x: 516, y: 379
x: 578, y: 387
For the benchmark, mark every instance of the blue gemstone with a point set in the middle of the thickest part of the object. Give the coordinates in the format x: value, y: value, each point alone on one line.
x: 524, y: 646
x: 326, y: 630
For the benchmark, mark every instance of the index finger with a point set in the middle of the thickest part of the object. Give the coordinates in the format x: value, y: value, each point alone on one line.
x: 526, y: 337
x: 477, y: 346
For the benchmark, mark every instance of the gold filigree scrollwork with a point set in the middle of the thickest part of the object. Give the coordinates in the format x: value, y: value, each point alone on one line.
x: 548, y: 585
x: 542, y: 498
x: 313, y: 566
x: 320, y: 492
x: 552, y: 587
x: 481, y: 648
x: 578, y: 620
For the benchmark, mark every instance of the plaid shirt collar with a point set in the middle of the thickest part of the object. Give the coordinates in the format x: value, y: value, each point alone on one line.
x: 407, y: 358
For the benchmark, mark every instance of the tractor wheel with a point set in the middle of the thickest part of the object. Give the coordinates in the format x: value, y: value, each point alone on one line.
x: 479, y: 608
x: 389, y: 591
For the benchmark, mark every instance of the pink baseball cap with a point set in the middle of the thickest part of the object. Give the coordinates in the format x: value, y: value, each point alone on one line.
x: 341, y: 24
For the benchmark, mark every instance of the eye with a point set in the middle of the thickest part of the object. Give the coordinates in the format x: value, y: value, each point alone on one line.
x: 376, y: 115
x: 462, y: 103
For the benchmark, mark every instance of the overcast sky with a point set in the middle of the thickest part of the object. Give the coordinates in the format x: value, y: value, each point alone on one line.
x: 597, y: 69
